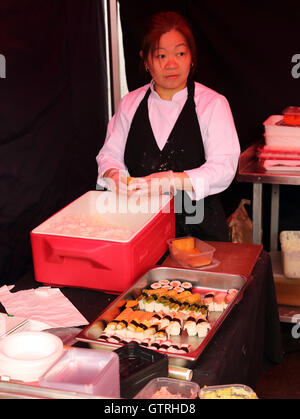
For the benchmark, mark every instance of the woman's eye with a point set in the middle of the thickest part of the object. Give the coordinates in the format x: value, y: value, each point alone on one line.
x: 161, y: 56
x: 181, y: 54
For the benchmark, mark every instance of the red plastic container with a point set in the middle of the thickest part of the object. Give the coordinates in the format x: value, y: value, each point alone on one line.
x: 104, y: 264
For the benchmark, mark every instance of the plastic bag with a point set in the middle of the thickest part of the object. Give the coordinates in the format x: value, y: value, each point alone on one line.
x: 240, y: 224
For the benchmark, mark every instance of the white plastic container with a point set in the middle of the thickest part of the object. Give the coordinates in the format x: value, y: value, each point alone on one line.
x: 279, y: 135
x: 26, y: 356
x: 87, y: 371
x: 290, y: 253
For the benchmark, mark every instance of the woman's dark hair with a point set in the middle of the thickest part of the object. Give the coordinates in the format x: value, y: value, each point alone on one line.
x: 161, y: 23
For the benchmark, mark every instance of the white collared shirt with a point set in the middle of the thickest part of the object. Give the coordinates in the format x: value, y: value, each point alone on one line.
x: 220, y: 140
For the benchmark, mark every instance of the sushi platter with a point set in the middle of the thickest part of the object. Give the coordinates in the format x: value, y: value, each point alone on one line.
x: 170, y: 310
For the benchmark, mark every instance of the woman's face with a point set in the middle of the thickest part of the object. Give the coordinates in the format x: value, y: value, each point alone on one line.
x: 170, y: 64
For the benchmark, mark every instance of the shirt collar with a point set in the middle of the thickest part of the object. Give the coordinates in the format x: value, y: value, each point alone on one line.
x: 178, y: 97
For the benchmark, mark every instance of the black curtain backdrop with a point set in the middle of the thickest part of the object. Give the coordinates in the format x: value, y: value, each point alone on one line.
x: 245, y: 51
x: 53, y: 115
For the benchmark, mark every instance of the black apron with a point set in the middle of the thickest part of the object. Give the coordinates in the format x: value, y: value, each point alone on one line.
x: 184, y: 150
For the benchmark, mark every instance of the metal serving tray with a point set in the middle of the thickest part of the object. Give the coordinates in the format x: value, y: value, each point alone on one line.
x: 202, y: 281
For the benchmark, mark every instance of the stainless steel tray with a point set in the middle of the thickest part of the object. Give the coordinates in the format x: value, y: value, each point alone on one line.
x: 201, y: 281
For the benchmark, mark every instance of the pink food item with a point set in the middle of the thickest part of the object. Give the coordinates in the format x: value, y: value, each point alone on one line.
x: 164, y: 393
x: 220, y: 297
x: 209, y: 298
x: 230, y: 295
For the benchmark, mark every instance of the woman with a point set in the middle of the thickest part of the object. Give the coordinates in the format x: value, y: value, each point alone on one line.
x: 174, y: 128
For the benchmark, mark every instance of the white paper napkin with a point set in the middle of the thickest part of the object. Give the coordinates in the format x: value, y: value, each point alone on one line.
x: 45, y: 304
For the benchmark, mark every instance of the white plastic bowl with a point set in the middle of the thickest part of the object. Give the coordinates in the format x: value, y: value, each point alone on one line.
x: 26, y: 356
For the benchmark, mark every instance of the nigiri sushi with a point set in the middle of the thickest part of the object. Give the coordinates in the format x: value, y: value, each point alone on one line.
x: 202, y: 328
x: 191, y: 326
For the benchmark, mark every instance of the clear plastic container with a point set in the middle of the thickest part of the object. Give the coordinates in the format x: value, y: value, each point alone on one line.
x: 191, y: 252
x: 169, y: 388
x: 231, y: 391
x: 290, y: 253
x: 291, y: 115
x: 86, y: 371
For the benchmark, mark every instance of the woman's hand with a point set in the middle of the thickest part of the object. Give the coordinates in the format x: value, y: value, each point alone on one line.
x: 161, y: 182
x: 154, y: 184
x: 116, y: 180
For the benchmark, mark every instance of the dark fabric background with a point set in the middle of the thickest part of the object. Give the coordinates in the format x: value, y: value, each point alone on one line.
x: 53, y: 115
x: 245, y: 49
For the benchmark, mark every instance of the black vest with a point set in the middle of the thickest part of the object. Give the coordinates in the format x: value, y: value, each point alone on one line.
x: 183, y: 150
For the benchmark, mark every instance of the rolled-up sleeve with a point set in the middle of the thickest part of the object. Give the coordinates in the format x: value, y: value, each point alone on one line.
x: 221, y: 146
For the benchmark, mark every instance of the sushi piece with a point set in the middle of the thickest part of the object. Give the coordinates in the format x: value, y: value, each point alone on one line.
x: 219, y: 301
x: 175, y: 284
x: 161, y: 334
x: 114, y: 339
x: 208, y: 300
x: 164, y: 346
x: 191, y: 326
x: 111, y: 326
x: 154, y: 345
x: 164, y: 282
x: 104, y: 337
x: 231, y: 293
x: 186, y: 285
x: 155, y: 285
x: 175, y: 327
x: 156, y: 318
x: 202, y: 328
x: 179, y: 289
x: 165, y: 321
x: 167, y: 287
x: 151, y: 330
x: 185, y: 348
x: 173, y: 348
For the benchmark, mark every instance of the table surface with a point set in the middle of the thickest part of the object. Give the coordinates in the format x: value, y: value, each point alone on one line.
x: 249, y: 336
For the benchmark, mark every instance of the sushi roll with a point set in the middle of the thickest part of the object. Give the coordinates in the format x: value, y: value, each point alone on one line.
x: 173, y: 348
x: 186, y: 285
x: 155, y: 285
x: 179, y: 289
x: 164, y: 346
x: 104, y: 337
x: 154, y: 345
x: 114, y: 339
x: 185, y: 348
x: 191, y: 326
x: 167, y: 287
x: 149, y: 304
x: 175, y: 284
x: 164, y: 282
x: 202, y: 328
